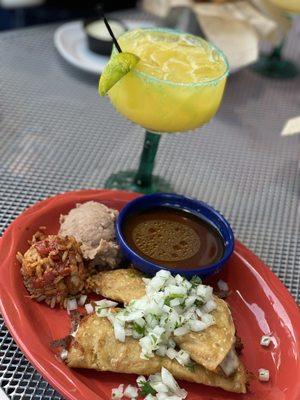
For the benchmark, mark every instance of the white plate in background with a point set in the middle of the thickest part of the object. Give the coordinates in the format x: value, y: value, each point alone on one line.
x: 70, y: 42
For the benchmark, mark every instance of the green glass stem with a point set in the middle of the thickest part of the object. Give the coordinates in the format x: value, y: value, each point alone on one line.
x: 142, y: 180
x: 275, y: 66
x: 276, y: 53
x: 143, y: 176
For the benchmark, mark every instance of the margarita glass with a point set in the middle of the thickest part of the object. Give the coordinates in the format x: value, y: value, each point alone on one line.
x: 289, y: 6
x: 274, y: 65
x: 176, y: 86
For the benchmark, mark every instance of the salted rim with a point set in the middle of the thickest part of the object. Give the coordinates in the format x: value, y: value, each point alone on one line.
x: 168, y: 82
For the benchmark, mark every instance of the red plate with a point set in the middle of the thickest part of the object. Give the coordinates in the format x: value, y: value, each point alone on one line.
x: 260, y: 305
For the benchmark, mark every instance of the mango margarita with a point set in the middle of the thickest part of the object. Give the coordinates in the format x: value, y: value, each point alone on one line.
x: 292, y: 6
x: 176, y: 86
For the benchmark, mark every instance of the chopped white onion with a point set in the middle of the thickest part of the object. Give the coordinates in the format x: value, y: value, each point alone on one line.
x: 157, y: 282
x: 208, y: 319
x: 110, y: 317
x: 173, y: 318
x: 171, y: 353
x: 140, y: 380
x: 71, y: 304
x: 265, y: 341
x: 155, y: 378
x: 230, y: 363
x: 135, y: 335
x: 131, y: 317
x: 105, y: 303
x: 190, y: 301
x: 82, y: 299
x: 181, y: 331
x: 163, y: 274
x: 199, y: 313
x: 160, y: 387
x: 89, y: 308
x: 162, y: 396
x: 161, y: 351
x: 183, y: 357
x: 178, y: 279
x: 223, y: 285
x: 180, y: 394
x: 263, y: 375
x: 168, y: 379
x: 128, y: 332
x: 117, y: 393
x: 140, y: 321
x: 131, y: 392
x: 201, y: 291
x: 119, y: 331
x: 150, y: 397
x: 208, y: 292
x: 197, y: 326
x: 74, y: 333
x: 209, y: 306
x: 64, y: 354
x: 175, y: 302
x: 173, y: 289
x: 158, y: 330
x: 165, y: 386
x: 103, y: 312
x: 166, y: 308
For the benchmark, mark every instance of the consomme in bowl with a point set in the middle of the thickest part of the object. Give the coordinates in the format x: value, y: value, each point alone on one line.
x: 173, y: 238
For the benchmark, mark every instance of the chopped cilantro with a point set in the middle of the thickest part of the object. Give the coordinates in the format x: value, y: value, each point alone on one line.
x: 199, y: 303
x: 191, y: 366
x: 138, y: 328
x: 172, y: 297
x: 153, y: 339
x: 195, y: 281
x: 146, y: 389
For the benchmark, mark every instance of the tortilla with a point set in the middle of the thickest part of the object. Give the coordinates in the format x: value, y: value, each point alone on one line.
x: 210, y: 347
x: 95, y: 347
x: 207, y: 348
x: 122, y: 285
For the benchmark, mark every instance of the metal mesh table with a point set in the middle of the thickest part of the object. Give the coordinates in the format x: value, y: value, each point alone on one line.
x: 57, y: 135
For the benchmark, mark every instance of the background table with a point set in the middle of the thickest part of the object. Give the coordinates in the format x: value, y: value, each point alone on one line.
x: 58, y: 135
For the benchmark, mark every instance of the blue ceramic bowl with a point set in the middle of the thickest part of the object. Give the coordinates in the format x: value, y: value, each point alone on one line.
x: 198, y: 208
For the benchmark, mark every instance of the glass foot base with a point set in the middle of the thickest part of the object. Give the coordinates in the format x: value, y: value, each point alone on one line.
x: 125, y: 180
x: 275, y: 68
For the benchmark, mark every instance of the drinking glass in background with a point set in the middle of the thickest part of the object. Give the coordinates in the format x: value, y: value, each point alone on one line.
x: 290, y: 6
x: 275, y: 65
x: 176, y: 87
